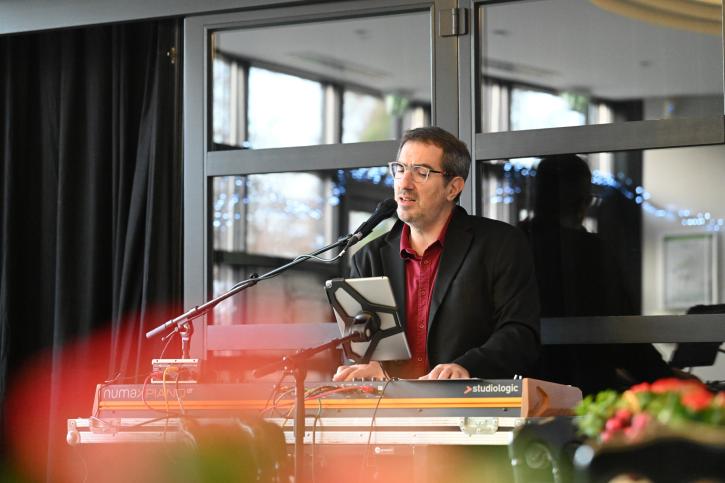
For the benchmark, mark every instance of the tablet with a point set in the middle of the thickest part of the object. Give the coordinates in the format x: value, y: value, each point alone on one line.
x: 355, y: 300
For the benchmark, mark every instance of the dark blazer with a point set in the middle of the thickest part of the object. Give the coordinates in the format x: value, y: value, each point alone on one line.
x: 484, y: 312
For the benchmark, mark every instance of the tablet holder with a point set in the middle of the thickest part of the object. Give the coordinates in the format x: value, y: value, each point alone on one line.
x: 365, y: 322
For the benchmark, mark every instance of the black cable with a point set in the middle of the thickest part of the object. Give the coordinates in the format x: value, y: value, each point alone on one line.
x: 116, y: 377
x: 178, y: 395
x: 314, y: 429
x: 278, y: 399
x: 182, y: 411
x: 143, y: 390
x: 274, y: 391
x: 372, y: 425
x: 148, y: 406
x: 154, y: 420
x: 166, y: 398
x: 166, y: 346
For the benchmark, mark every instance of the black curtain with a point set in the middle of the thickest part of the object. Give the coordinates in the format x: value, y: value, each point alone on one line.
x: 90, y: 212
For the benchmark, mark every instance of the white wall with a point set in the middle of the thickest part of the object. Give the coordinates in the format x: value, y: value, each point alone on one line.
x: 681, y: 178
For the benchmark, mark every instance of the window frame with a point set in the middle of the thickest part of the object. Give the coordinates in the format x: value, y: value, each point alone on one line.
x: 455, y: 106
x: 201, y: 163
x: 596, y: 138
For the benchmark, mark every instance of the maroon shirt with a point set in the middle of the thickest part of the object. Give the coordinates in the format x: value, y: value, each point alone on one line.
x: 420, y: 275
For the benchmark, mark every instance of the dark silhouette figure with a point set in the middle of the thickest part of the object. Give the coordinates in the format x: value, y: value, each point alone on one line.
x: 579, y: 277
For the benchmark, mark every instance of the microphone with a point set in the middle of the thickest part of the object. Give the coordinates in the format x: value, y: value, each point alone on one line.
x: 385, y: 209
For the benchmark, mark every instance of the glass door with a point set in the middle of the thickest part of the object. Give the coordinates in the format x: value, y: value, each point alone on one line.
x: 290, y: 118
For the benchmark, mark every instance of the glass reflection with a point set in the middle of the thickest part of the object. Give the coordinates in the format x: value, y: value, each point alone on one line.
x: 276, y: 215
x: 225, y: 131
x: 262, y: 221
x: 579, y: 275
x: 597, y: 222
x: 294, y: 297
x: 364, y: 118
x: 532, y: 109
x: 281, y: 86
x: 282, y: 103
x: 554, y: 63
x: 599, y: 227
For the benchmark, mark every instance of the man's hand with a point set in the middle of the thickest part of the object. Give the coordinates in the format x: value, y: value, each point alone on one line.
x: 447, y: 371
x: 359, y: 371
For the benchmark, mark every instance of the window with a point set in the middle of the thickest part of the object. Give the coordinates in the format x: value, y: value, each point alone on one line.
x: 597, y: 222
x: 281, y: 214
x: 533, y: 109
x: 370, y: 118
x: 549, y: 76
x: 370, y: 84
x: 575, y: 57
x: 263, y: 221
x: 284, y: 110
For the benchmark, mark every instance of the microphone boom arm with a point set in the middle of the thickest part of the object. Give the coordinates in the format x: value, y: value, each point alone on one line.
x: 199, y: 310
x: 385, y: 209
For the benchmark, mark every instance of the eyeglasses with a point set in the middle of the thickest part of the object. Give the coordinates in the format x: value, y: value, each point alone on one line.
x: 420, y: 173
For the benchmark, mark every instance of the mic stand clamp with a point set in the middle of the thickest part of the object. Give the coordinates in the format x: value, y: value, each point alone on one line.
x: 186, y: 330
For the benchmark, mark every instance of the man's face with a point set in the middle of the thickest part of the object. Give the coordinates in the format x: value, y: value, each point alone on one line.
x: 422, y: 204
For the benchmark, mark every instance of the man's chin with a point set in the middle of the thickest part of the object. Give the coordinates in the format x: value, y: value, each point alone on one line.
x: 403, y: 213
x: 406, y: 217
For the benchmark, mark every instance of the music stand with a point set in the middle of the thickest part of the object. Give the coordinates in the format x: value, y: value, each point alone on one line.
x: 367, y: 306
x: 697, y: 354
x: 366, y: 314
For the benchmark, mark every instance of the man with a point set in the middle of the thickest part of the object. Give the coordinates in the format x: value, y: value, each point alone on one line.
x: 465, y: 284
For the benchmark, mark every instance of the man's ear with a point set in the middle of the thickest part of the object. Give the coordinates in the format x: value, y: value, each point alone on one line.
x: 455, y: 186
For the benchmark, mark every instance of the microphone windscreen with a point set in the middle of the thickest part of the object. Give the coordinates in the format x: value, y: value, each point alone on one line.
x: 387, y: 207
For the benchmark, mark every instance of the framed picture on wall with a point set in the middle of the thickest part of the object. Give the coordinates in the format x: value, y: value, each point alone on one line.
x: 690, y: 264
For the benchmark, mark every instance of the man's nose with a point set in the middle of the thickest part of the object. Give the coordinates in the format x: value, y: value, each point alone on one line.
x: 407, y: 179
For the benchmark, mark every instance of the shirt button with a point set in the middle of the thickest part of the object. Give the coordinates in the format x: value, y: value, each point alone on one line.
x: 420, y: 326
x: 425, y: 262
x: 420, y: 359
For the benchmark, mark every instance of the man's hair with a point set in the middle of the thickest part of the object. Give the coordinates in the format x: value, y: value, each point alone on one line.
x: 456, y: 158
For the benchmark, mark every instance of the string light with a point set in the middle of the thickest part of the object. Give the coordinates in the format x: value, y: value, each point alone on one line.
x: 621, y: 183
x: 227, y: 206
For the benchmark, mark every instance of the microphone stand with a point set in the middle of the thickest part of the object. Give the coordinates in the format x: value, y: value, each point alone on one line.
x: 182, y: 322
x: 295, y: 365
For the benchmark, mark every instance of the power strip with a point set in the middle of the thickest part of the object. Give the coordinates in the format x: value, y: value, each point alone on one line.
x: 177, y: 370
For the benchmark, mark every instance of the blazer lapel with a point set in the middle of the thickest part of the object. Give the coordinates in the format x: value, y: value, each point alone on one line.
x: 393, y: 266
x: 457, y: 243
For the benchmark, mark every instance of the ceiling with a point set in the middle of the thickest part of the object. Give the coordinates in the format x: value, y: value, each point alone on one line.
x: 390, y: 54
x: 562, y: 44
x: 574, y: 45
